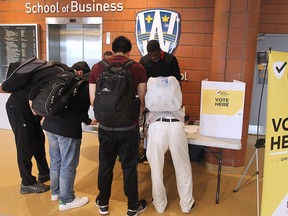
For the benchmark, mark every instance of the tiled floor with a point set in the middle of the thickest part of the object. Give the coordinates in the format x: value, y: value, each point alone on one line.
x: 242, y: 203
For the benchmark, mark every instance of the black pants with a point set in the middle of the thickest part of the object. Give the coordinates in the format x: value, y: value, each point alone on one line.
x: 126, y: 145
x: 30, y: 141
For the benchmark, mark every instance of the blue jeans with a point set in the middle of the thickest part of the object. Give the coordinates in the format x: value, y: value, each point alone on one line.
x: 64, y: 159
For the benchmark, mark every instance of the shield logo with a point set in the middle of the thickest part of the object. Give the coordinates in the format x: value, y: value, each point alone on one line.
x: 158, y: 24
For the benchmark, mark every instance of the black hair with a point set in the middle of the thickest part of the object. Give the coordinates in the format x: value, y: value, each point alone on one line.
x: 121, y: 44
x: 108, y: 53
x: 153, y: 45
x: 81, y: 65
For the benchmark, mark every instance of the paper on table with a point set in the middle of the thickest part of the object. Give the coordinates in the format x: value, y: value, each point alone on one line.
x: 191, y: 128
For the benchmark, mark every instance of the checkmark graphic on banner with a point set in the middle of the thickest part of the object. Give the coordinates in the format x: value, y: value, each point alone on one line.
x: 279, y: 69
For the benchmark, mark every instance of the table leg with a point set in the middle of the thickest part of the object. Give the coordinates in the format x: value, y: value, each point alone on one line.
x: 219, y: 175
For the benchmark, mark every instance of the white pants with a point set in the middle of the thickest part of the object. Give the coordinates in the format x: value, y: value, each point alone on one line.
x: 161, y: 137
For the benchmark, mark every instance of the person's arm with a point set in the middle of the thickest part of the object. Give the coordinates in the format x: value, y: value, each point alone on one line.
x: 30, y: 104
x: 141, y: 91
x: 92, y: 91
x: 96, y: 70
x: 34, y: 91
x: 175, y: 68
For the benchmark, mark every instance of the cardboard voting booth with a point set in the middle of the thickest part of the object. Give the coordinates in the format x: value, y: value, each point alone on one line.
x: 221, y: 111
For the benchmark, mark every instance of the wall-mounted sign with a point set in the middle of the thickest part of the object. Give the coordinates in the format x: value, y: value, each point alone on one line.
x: 159, y: 24
x: 73, y: 7
x: 17, y: 42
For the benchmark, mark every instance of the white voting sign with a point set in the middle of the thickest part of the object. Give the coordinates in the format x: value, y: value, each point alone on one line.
x: 221, y: 111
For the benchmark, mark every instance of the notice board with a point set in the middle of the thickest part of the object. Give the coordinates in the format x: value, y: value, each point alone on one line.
x: 17, y: 42
x: 221, y: 110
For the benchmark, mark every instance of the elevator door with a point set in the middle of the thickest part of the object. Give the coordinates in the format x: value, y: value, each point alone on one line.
x: 74, y: 39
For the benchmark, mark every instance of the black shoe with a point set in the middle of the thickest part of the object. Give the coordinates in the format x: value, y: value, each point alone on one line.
x: 43, y: 178
x: 142, y: 157
x: 190, y: 208
x: 103, y: 209
x: 36, y: 188
x: 142, y: 205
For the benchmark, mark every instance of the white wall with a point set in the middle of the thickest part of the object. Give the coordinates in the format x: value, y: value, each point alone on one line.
x: 4, y: 123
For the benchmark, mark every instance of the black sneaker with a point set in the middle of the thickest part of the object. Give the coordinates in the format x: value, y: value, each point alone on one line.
x: 103, y: 209
x: 190, y: 208
x: 43, y: 178
x: 36, y: 188
x: 142, y: 158
x: 142, y: 205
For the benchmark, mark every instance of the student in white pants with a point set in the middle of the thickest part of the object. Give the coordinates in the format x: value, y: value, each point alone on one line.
x: 166, y: 132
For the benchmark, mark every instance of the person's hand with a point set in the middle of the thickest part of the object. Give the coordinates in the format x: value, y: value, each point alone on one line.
x: 30, y: 104
x: 93, y: 122
x: 79, y: 73
x: 141, y: 120
x: 42, y: 120
x: 34, y: 113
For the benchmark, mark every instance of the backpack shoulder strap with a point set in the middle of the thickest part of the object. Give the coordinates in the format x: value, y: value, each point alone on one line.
x: 104, y: 63
x: 129, y: 63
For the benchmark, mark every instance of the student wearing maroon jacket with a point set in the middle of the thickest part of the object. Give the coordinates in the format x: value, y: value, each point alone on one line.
x: 119, y: 141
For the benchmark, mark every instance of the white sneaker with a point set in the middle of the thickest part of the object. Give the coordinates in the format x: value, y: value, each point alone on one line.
x: 54, y: 197
x: 76, y: 203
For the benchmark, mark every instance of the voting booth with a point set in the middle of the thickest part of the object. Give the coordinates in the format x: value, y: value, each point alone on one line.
x: 222, y: 109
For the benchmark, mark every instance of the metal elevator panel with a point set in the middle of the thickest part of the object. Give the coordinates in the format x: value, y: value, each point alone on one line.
x: 74, y: 39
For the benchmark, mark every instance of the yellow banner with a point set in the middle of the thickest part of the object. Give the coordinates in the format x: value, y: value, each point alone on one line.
x: 275, y: 181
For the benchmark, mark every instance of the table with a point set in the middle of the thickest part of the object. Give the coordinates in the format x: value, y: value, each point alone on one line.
x: 193, y: 136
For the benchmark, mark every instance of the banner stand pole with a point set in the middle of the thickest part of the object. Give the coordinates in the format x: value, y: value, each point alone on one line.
x: 260, y: 143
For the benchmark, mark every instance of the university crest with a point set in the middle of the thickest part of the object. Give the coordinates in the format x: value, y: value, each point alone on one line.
x: 158, y: 24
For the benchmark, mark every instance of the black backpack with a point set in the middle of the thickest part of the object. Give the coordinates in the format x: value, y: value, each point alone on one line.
x: 56, y: 96
x: 115, y: 103
x: 196, y: 153
x: 19, y: 73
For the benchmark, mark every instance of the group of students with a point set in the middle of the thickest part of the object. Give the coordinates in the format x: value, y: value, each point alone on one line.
x: 166, y: 131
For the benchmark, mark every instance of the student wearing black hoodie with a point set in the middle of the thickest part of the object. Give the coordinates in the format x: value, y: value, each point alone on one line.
x: 29, y: 136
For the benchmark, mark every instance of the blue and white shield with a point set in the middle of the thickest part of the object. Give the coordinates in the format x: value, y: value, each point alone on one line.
x: 157, y: 24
